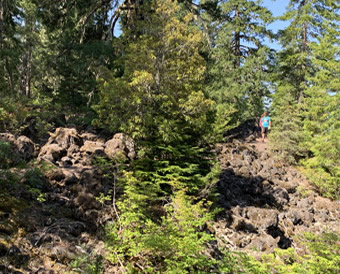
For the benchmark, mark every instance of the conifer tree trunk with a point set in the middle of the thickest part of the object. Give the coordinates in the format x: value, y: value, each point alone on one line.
x: 237, y: 43
x: 304, y: 50
x: 25, y: 87
x: 28, y: 75
x: 6, y: 63
x: 1, y: 21
x: 10, y: 76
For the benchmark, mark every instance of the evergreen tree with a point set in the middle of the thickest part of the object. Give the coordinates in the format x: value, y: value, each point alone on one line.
x: 305, y: 18
x: 322, y: 114
x: 240, y: 61
x: 74, y: 49
x: 286, y: 136
x: 29, y: 36
x: 172, y: 243
x: 294, y: 70
x: 157, y: 99
x: 9, y: 47
x: 18, y: 38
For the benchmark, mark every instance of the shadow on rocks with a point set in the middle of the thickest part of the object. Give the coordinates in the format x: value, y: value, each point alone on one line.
x: 241, y: 191
x: 252, y: 207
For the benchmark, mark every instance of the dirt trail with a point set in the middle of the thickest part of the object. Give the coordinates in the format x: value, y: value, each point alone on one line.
x: 260, y: 146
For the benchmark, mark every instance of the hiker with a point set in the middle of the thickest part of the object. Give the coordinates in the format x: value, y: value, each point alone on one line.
x: 265, y: 124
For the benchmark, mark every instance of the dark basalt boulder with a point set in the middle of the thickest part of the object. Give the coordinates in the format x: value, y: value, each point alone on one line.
x: 265, y: 207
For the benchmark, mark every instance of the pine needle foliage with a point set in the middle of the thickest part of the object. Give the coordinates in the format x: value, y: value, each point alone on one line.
x: 172, y: 244
x: 305, y: 105
x: 158, y: 100
x: 318, y: 254
x: 159, y: 96
x: 287, y: 134
x: 293, y: 68
x: 239, y: 61
x: 322, y: 116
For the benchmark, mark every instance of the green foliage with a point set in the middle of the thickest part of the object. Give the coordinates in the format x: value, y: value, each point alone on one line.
x: 104, y: 198
x: 304, y: 191
x: 13, y: 113
x: 158, y: 99
x: 35, y: 178
x: 154, y: 84
x: 36, y: 183
x: 159, y: 96
x: 45, y: 166
x: 7, y: 156
x: 324, y: 252
x: 306, y: 103
x: 321, y: 255
x: 9, y: 47
x: 87, y: 263
x: 293, y: 68
x: 8, y: 181
x: 178, y: 167
x: 4, y: 117
x: 224, y: 120
x: 287, y: 131
x: 169, y: 243
x: 39, y: 114
x: 322, y: 116
x: 239, y: 66
x: 52, y: 49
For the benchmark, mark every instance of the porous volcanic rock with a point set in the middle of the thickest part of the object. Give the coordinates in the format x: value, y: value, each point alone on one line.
x: 263, y: 207
x: 120, y: 144
x: 91, y: 147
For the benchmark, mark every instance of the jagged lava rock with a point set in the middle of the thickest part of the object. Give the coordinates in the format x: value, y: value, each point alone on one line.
x: 120, y: 144
x: 65, y: 137
x: 91, y: 147
x: 52, y: 153
x: 262, y: 218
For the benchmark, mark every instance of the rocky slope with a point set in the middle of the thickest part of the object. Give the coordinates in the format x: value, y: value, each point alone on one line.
x: 265, y: 201
x: 52, y: 216
x: 46, y: 236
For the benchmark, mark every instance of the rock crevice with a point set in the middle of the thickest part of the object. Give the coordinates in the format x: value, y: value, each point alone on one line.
x: 263, y: 199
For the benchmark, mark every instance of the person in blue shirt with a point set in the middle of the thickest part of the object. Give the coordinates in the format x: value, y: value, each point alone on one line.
x: 265, y: 124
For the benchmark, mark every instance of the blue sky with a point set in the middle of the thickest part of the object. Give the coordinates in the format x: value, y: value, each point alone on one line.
x: 277, y: 7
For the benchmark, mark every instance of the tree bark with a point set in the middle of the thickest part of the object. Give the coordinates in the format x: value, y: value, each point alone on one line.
x: 10, y: 76
x: 28, y: 74
x: 237, y: 38
x: 304, y: 50
x: 1, y: 21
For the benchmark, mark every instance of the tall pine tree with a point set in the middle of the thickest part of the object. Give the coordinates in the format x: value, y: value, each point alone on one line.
x: 157, y: 99
x: 9, y: 48
x: 322, y: 111
x: 240, y: 63
x: 294, y: 68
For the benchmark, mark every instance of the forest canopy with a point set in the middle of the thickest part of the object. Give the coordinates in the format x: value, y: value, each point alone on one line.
x: 178, y: 77
x: 202, y: 68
